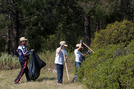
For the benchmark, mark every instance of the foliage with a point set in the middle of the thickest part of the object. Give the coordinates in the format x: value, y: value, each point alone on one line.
x: 51, y: 21
x: 111, y: 67
x: 43, y: 20
x: 8, y: 61
x: 118, y: 32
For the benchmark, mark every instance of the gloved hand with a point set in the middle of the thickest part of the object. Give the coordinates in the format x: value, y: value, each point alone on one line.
x: 65, y: 61
x: 61, y: 46
x: 32, y: 50
x: 80, y: 41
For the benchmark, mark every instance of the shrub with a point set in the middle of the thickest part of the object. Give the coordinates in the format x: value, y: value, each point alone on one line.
x: 118, y: 32
x: 109, y: 68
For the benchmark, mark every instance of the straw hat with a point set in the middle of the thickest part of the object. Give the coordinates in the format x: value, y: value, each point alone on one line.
x: 63, y: 43
x: 23, y: 39
x: 78, y: 45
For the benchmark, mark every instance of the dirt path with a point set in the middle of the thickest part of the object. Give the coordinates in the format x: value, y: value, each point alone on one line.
x: 47, y: 80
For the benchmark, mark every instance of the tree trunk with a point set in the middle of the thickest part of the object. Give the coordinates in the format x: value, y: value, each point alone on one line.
x: 7, y: 47
x: 15, y: 32
x: 97, y: 26
x: 87, y: 30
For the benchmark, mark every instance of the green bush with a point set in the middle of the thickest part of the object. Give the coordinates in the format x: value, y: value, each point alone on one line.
x: 8, y: 61
x: 118, y: 32
x: 109, y: 68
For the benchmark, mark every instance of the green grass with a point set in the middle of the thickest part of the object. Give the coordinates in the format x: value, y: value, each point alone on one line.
x: 8, y: 61
x: 46, y: 80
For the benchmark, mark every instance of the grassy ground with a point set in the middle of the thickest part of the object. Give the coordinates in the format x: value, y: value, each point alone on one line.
x: 47, y: 80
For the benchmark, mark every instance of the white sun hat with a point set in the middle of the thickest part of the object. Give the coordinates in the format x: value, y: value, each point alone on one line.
x: 23, y: 39
x: 63, y: 43
x: 78, y: 45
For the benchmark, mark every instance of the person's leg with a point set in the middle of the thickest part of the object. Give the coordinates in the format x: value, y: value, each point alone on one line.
x: 58, y: 72
x: 26, y: 74
x: 75, y: 77
x: 77, y: 66
x: 61, y: 73
x: 23, y: 66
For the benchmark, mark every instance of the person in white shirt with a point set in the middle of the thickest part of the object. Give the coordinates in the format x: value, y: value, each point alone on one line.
x: 78, y: 59
x: 59, y: 61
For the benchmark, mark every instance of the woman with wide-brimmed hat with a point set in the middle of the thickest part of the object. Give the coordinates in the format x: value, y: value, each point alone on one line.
x: 78, y: 59
x: 59, y: 61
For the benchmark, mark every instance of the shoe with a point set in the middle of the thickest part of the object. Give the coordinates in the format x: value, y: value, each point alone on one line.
x: 16, y: 83
x: 59, y: 83
x: 74, y: 80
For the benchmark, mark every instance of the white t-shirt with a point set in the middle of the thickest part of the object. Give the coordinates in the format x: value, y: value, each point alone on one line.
x: 78, y: 55
x: 59, y: 58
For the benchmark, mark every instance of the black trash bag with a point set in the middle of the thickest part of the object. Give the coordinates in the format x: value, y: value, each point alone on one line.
x: 35, y: 66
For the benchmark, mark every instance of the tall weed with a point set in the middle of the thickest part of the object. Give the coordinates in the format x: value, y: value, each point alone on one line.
x: 8, y: 61
x: 49, y: 58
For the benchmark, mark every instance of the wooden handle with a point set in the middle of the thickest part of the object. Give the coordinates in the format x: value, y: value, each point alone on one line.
x: 67, y: 71
x: 88, y: 47
x: 65, y: 65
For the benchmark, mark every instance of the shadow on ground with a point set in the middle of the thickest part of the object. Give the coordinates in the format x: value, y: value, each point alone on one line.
x: 46, y: 78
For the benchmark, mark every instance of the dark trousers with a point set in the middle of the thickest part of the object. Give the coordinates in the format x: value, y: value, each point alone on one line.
x: 77, y: 66
x: 59, y: 73
x: 24, y: 69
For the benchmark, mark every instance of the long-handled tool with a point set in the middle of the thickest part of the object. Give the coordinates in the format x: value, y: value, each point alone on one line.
x: 65, y: 64
x: 88, y: 47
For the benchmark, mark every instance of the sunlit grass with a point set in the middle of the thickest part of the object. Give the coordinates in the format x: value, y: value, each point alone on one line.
x: 47, y: 80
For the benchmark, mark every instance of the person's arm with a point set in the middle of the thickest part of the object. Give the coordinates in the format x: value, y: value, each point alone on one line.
x: 19, y: 52
x: 28, y: 53
x: 83, y: 54
x: 58, y: 50
x: 25, y: 52
x: 79, y: 48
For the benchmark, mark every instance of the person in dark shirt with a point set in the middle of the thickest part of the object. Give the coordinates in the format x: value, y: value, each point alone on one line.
x: 23, y: 58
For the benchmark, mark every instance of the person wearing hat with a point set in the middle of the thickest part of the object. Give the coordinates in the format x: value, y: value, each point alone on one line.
x: 23, y: 58
x: 59, y: 60
x: 78, y: 59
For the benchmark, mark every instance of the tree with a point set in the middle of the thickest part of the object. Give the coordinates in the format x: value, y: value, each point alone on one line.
x: 9, y: 8
x: 69, y: 23
x: 87, y: 6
